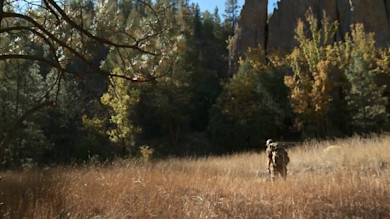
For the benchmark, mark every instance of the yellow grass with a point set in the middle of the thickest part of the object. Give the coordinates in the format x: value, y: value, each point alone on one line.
x: 354, y: 182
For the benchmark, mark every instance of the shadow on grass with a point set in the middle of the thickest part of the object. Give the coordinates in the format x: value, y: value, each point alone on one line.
x: 21, y: 193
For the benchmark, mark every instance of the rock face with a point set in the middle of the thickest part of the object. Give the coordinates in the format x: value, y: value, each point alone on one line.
x: 373, y: 14
x: 250, y: 31
x: 283, y: 22
x: 278, y: 33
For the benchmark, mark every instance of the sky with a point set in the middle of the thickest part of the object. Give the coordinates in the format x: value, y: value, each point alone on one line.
x: 211, y: 4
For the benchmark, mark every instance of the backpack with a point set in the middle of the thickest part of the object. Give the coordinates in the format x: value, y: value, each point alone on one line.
x: 279, y: 157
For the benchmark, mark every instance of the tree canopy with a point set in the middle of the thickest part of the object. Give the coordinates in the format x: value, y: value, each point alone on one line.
x: 84, y: 80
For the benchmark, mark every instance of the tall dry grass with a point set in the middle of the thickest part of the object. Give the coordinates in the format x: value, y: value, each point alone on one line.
x: 352, y: 182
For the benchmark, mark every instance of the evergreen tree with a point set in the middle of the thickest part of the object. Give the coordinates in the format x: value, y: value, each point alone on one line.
x: 231, y: 13
x: 359, y: 45
x: 164, y: 110
x: 197, y: 22
x: 248, y: 110
x: 365, y: 98
x: 218, y: 31
x: 22, y: 89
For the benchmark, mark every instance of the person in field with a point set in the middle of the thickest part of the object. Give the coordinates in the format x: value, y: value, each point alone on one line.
x: 277, y: 159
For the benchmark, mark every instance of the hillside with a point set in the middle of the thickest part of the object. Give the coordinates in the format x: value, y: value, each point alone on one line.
x: 350, y: 183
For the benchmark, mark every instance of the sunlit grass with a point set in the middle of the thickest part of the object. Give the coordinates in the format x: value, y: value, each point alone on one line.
x: 353, y: 182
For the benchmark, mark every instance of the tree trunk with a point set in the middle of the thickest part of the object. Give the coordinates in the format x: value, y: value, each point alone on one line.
x: 174, y: 134
x: 1, y: 10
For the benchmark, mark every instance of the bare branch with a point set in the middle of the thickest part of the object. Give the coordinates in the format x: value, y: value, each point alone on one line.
x: 61, y: 43
x: 52, y: 37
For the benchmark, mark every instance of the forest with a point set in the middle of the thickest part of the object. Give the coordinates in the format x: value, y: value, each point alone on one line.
x: 84, y: 80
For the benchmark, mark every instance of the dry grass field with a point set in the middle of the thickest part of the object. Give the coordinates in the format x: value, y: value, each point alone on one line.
x: 352, y: 182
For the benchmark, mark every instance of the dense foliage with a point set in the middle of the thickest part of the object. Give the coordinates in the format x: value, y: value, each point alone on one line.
x: 83, y: 80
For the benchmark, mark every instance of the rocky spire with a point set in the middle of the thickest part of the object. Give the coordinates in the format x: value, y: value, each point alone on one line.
x: 250, y: 31
x: 278, y: 33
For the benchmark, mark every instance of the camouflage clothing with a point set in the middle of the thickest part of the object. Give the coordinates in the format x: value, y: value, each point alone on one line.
x: 278, y: 158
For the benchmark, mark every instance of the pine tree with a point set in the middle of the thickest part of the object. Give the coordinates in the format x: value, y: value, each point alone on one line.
x: 197, y: 21
x: 359, y: 47
x: 248, y: 110
x: 23, y: 87
x: 365, y: 98
x: 231, y: 13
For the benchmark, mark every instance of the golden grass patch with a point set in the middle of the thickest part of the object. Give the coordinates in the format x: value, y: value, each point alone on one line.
x: 351, y: 183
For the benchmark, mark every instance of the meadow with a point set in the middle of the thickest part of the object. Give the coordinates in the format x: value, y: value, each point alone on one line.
x: 353, y: 182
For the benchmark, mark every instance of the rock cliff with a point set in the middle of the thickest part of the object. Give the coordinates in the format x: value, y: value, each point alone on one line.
x: 278, y: 33
x: 250, y: 31
x: 283, y: 22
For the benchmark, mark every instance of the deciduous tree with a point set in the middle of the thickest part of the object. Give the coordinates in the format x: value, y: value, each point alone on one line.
x: 310, y: 83
x: 118, y: 125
